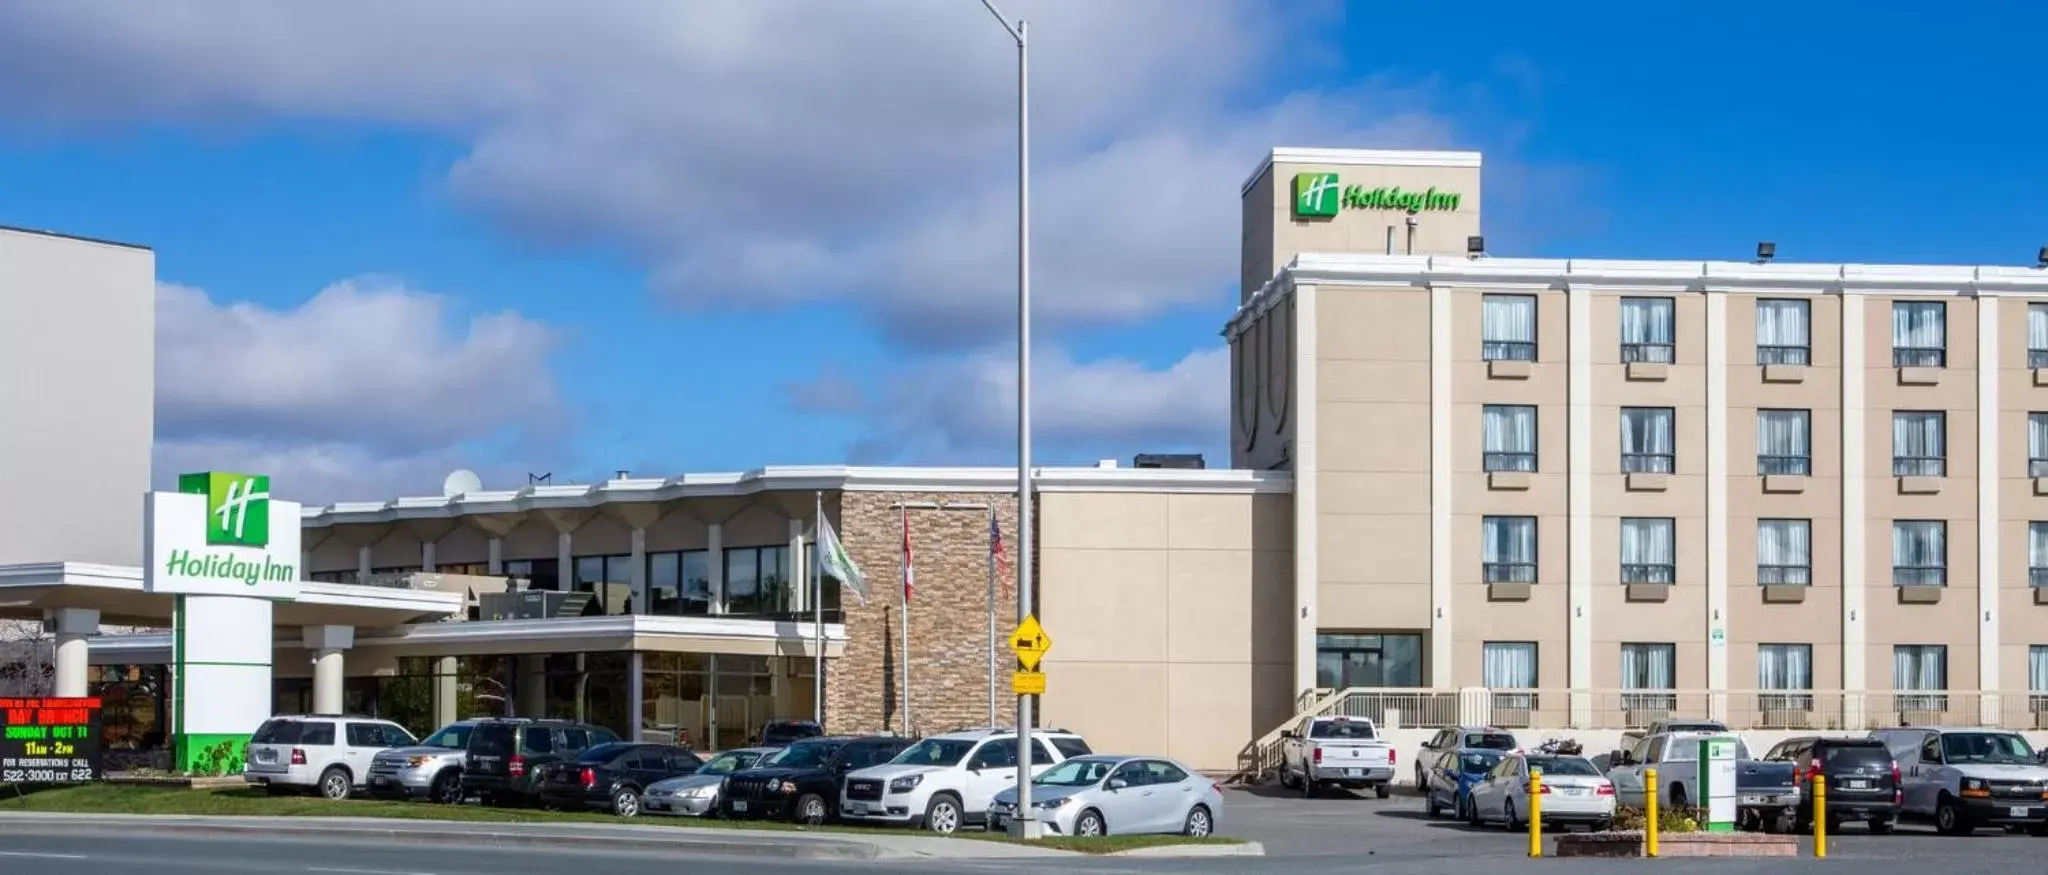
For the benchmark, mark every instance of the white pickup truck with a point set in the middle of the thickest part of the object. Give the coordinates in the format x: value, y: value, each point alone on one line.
x: 1342, y: 751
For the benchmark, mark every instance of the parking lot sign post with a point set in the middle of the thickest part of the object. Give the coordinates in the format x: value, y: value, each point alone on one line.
x: 1717, y: 784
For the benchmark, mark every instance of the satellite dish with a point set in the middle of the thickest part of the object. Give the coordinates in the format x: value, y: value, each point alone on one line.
x: 461, y: 481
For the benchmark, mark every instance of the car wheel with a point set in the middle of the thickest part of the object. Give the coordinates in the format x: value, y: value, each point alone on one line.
x: 1470, y: 808
x: 943, y: 815
x: 1429, y: 806
x: 447, y: 789
x: 1199, y: 824
x: 1382, y: 791
x: 1090, y: 824
x: 1949, y: 819
x: 1513, y: 824
x: 626, y: 802
x: 1308, y: 787
x: 1883, y: 827
x: 810, y: 809
x: 1286, y: 779
x: 335, y: 783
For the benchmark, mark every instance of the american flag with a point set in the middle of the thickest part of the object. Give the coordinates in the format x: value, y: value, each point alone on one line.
x: 995, y: 546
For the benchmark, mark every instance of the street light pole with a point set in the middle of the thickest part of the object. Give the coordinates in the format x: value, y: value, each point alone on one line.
x: 1027, y: 826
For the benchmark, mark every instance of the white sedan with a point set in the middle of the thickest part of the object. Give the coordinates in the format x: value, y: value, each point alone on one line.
x: 1573, y: 792
x: 1102, y: 795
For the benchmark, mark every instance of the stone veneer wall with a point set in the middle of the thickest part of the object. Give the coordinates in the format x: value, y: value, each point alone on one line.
x: 948, y: 614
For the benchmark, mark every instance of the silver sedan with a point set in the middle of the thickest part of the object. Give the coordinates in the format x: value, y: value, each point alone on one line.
x: 696, y: 795
x: 1123, y: 795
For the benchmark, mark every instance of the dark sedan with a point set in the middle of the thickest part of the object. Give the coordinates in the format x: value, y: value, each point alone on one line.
x: 613, y: 776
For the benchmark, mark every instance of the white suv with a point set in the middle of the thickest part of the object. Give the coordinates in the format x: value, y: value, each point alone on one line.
x: 947, y: 781
x: 329, y: 754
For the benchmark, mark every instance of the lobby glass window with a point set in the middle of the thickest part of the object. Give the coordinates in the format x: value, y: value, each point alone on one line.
x: 1784, y: 552
x: 2037, y: 335
x: 1786, y: 671
x: 538, y: 573
x: 757, y: 580
x: 679, y: 583
x: 1919, y: 334
x: 1920, y: 674
x: 1919, y: 553
x: 1386, y: 660
x: 473, y: 569
x: 1647, y: 440
x: 1508, y: 439
x: 1507, y: 549
x: 1784, y: 331
x: 2037, y: 445
x: 1510, y: 665
x: 1784, y: 442
x: 1919, y: 443
x: 1649, y: 673
x: 675, y: 698
x: 1647, y: 329
x: 588, y: 687
x: 609, y: 580
x: 1507, y: 328
x: 2037, y: 554
x: 1647, y: 552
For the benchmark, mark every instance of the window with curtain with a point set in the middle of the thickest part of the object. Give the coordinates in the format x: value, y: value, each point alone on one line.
x: 1919, y: 334
x: 1507, y: 328
x: 1784, y: 334
x: 1788, y: 668
x: 1920, y: 669
x: 2037, y: 554
x: 1784, y: 552
x: 1649, y: 672
x: 1647, y: 440
x: 2037, y: 445
x: 1510, y: 665
x: 1647, y: 552
x: 1919, y: 443
x: 2037, y: 335
x: 1784, y: 442
x: 1507, y: 549
x: 1919, y: 553
x: 1647, y: 329
x: 1508, y: 439
x: 2037, y: 677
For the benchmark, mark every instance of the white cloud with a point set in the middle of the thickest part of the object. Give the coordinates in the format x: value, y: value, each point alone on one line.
x: 322, y: 473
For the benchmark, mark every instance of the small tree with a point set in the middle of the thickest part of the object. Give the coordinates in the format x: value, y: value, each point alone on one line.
x: 28, y: 659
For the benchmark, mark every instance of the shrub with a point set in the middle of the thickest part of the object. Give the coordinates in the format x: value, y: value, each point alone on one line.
x: 1670, y: 819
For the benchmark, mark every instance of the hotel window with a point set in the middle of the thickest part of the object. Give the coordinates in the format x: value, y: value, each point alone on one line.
x: 1508, y: 439
x: 2037, y: 335
x: 1919, y: 334
x: 1507, y: 328
x: 1784, y: 552
x: 757, y: 580
x: 1922, y: 669
x: 2037, y: 678
x: 1647, y: 552
x: 609, y: 580
x: 679, y: 583
x: 1647, y: 330
x: 1646, y: 440
x: 1786, y: 672
x: 1919, y: 553
x: 2037, y: 554
x: 1784, y: 442
x: 1784, y: 331
x: 1648, y: 675
x: 542, y: 574
x: 1919, y: 443
x: 1347, y: 660
x: 1507, y: 549
x: 1510, y: 665
x: 2037, y: 445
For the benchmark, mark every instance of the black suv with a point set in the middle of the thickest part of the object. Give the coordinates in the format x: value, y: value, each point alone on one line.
x: 1862, y: 779
x: 779, y: 733
x: 801, y: 782
x: 505, y: 755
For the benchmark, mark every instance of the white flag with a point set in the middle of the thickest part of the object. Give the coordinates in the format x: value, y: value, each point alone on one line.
x: 832, y: 559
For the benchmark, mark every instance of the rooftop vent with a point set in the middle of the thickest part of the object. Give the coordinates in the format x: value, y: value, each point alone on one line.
x: 1191, y: 461
x: 1106, y: 463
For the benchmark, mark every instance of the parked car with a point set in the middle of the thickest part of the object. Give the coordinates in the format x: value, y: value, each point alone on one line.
x: 696, y: 794
x: 780, y: 733
x: 1632, y: 738
x: 1763, y: 790
x: 1437, y: 751
x: 1863, y: 780
x: 506, y: 753
x: 801, y: 782
x: 1448, y: 786
x: 1341, y: 751
x: 327, y: 754
x: 1573, y: 793
x: 945, y: 782
x: 1098, y: 795
x: 1964, y: 779
x: 613, y: 776
x: 430, y: 770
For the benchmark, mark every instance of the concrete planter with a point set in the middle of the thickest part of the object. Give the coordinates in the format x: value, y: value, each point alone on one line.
x: 1687, y: 844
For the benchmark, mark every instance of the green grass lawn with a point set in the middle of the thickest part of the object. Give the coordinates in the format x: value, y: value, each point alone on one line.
x: 245, y: 802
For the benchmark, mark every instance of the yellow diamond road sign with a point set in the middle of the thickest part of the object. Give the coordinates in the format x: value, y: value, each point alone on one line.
x: 1030, y: 643
x: 1027, y: 683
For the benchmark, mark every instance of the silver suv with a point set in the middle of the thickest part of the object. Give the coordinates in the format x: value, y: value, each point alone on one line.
x: 431, y: 770
x: 330, y: 755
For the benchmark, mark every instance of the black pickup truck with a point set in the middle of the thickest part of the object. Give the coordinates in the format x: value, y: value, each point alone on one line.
x: 1767, y: 795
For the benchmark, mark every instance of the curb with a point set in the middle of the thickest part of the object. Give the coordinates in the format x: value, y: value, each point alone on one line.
x: 1246, y: 849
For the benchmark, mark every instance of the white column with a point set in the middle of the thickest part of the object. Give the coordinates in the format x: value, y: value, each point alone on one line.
x: 565, y: 562
x: 636, y: 719
x: 496, y: 560
x: 1717, y: 503
x: 427, y: 556
x: 362, y: 564
x: 1579, y: 499
x: 1441, y: 641
x: 532, y: 697
x: 1855, y: 480
x: 328, y: 644
x: 446, y: 689
x: 74, y: 629
x: 638, y: 576
x: 1988, y: 560
x: 714, y: 539
x: 799, y: 576
x: 1307, y: 495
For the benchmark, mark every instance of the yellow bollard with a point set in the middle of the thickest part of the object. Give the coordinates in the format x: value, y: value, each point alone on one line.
x: 1650, y: 795
x: 1820, y: 815
x: 1535, y: 812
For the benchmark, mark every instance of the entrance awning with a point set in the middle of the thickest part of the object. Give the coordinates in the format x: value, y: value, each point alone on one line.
x: 116, y: 592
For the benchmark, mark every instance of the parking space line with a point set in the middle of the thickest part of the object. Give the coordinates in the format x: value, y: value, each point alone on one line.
x: 363, y: 871
x: 40, y: 856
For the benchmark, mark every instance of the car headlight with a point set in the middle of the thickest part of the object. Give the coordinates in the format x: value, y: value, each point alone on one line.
x: 1976, y: 784
x: 789, y: 786
x: 705, y: 792
x: 416, y: 762
x: 905, y: 784
x: 1051, y: 803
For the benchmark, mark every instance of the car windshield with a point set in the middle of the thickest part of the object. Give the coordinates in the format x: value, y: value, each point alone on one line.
x: 935, y: 752
x: 1491, y: 741
x: 728, y: 763
x: 1478, y: 762
x: 1986, y: 747
x: 1340, y: 729
x: 455, y: 737
x: 1076, y: 773
x: 1553, y: 766
x: 782, y: 733
x: 802, y: 756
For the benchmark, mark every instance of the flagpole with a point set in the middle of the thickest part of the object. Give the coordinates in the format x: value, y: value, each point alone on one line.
x: 905, y: 616
x: 818, y: 615
x: 991, y: 614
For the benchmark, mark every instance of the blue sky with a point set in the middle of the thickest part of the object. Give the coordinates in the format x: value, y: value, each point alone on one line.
x: 670, y: 237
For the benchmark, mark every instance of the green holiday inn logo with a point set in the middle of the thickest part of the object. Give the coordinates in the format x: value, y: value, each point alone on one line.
x: 1322, y: 195
x: 237, y: 507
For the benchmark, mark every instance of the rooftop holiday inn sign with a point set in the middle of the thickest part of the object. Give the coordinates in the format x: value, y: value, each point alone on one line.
x: 221, y: 534
x: 1321, y: 195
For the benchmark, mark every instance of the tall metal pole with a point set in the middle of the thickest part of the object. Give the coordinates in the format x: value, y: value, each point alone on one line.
x: 1031, y: 828
x: 992, y: 614
x: 817, y: 569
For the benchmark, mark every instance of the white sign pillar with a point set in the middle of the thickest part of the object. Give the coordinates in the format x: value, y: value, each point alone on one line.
x: 1717, y: 784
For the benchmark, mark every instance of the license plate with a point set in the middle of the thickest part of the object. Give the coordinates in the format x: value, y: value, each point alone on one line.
x: 1856, y: 784
x: 856, y: 808
x: 2017, y: 811
x: 1756, y: 800
x: 379, y: 782
x: 1354, y: 772
x: 1574, y: 791
x: 739, y: 806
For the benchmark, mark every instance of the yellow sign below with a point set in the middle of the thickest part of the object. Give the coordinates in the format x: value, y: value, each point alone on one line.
x: 1027, y: 683
x: 1030, y: 643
